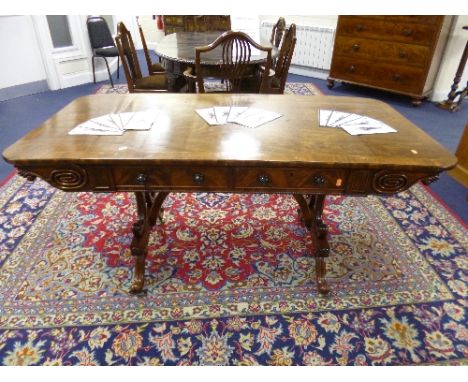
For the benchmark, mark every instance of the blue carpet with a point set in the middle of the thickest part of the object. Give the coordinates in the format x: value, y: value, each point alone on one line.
x: 20, y: 115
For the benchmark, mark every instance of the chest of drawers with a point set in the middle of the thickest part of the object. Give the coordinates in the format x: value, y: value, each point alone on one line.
x: 395, y: 53
x: 196, y: 23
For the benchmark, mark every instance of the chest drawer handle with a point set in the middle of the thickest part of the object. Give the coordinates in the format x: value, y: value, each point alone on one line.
x: 319, y: 180
x: 352, y: 68
x: 141, y: 178
x: 396, y: 77
x: 198, y: 178
x: 263, y: 179
x: 402, y: 54
x: 356, y: 47
x: 359, y: 27
x: 407, y: 32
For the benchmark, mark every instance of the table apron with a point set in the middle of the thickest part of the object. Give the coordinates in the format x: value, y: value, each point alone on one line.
x: 240, y: 179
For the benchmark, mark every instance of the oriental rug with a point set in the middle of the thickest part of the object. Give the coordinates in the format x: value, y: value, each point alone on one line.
x: 230, y: 281
x: 299, y: 88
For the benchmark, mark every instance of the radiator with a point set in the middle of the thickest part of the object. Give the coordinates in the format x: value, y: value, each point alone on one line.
x: 313, y: 51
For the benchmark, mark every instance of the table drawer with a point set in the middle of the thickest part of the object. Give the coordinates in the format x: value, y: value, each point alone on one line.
x: 289, y: 179
x: 393, y: 77
x: 391, y: 52
x: 174, y: 20
x: 184, y: 178
x: 387, y: 30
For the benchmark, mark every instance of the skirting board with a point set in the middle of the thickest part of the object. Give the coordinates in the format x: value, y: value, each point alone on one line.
x: 66, y: 81
x: 23, y: 90
x: 309, y: 72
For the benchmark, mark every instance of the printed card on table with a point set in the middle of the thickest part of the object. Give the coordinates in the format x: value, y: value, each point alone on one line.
x: 117, y: 123
x: 208, y: 114
x: 352, y: 123
x: 256, y: 117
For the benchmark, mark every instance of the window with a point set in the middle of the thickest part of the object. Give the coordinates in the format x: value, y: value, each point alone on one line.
x: 59, y: 31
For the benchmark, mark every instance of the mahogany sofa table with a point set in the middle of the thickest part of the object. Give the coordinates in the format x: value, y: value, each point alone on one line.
x: 182, y: 153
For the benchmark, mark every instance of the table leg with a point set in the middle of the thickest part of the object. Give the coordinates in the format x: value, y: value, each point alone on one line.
x: 175, y: 82
x: 148, y: 207
x: 312, y: 210
x: 156, y: 211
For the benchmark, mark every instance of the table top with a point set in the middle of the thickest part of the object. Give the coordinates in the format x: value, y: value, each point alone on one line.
x: 180, y: 136
x: 181, y: 47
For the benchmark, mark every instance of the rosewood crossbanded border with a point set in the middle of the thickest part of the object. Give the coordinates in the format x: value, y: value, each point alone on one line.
x: 182, y: 153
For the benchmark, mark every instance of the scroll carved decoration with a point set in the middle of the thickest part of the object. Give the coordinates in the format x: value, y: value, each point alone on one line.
x: 68, y: 179
x: 390, y: 182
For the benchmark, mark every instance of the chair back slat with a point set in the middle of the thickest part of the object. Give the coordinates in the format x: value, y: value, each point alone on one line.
x: 145, y: 48
x: 277, y: 32
x: 128, y: 55
x: 283, y: 61
x: 235, y: 62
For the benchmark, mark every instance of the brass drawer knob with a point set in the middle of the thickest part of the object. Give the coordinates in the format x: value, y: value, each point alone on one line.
x: 198, y: 178
x: 359, y: 28
x: 319, y: 180
x: 141, y: 178
x: 263, y: 179
x: 407, y: 32
x: 352, y: 68
x: 356, y: 47
x: 402, y: 54
x: 396, y: 77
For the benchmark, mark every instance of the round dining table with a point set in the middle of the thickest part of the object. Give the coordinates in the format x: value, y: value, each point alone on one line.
x: 177, y: 53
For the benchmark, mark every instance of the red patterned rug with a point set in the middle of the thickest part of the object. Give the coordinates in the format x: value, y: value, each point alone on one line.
x: 230, y: 281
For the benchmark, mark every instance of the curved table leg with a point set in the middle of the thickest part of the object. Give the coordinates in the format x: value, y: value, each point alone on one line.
x: 156, y: 210
x: 312, y: 210
x: 148, y: 207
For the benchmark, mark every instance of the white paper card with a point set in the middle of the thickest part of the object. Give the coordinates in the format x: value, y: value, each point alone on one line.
x: 208, y: 115
x: 354, y: 124
x: 140, y: 120
x: 235, y: 112
x: 221, y: 114
x: 256, y: 117
x: 90, y: 128
x: 368, y: 126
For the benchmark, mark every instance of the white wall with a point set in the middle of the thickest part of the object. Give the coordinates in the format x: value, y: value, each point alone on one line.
x: 21, y: 61
x: 325, y: 21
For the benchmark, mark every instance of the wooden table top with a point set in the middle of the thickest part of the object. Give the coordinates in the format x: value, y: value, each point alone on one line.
x: 181, y: 46
x: 181, y: 136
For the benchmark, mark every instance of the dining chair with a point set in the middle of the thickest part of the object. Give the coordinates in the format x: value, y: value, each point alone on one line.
x: 278, y: 80
x: 137, y: 83
x: 238, y: 73
x: 153, y: 67
x: 102, y: 43
x: 277, y: 32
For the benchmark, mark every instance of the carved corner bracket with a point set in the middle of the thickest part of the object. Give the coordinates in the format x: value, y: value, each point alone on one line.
x: 390, y: 182
x: 28, y: 175
x: 68, y: 179
x: 430, y: 179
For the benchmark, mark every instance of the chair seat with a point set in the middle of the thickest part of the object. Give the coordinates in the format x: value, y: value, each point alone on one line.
x: 158, y: 82
x: 157, y: 68
x: 110, y: 51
